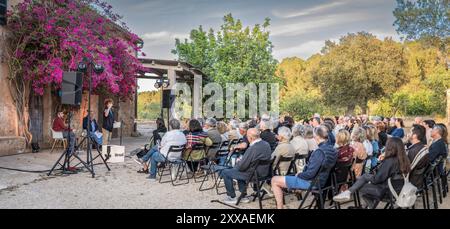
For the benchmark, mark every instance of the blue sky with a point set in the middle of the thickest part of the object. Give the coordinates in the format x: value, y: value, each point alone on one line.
x: 298, y: 27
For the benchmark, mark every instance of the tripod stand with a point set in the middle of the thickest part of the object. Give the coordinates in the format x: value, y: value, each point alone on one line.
x: 87, y: 67
x: 67, y: 155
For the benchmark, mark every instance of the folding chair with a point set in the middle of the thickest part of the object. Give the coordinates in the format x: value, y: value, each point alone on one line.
x: 293, y: 167
x: 212, y: 167
x: 169, y: 164
x: 318, y: 191
x: 258, y: 180
x: 197, y: 147
x: 349, y: 180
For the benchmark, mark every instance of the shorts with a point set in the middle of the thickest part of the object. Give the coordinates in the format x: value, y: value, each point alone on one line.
x: 293, y: 182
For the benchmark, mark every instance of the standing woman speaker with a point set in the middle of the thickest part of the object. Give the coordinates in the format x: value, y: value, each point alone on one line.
x: 108, y: 121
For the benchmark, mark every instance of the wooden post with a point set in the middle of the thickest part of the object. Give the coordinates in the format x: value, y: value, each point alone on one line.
x: 197, y: 97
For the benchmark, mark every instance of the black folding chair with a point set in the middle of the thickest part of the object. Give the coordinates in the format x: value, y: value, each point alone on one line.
x: 211, y: 168
x: 277, y: 170
x: 293, y: 166
x: 343, y: 175
x: 197, y: 147
x: 169, y: 164
x: 258, y: 180
x: 318, y: 191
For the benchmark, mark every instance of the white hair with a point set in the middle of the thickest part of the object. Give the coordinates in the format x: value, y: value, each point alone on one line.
x: 285, y: 133
x: 264, y: 125
x: 234, y: 124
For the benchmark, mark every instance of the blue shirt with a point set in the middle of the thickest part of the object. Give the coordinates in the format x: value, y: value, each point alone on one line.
x: 398, y: 132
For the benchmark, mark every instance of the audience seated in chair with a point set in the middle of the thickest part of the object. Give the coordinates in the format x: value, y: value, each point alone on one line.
x: 374, y: 187
x: 258, y: 150
x: 159, y: 152
x: 59, y: 125
x: 195, y: 137
x: 324, y: 156
x: 417, y: 139
x: 284, y: 149
x: 95, y: 133
x: 213, y: 134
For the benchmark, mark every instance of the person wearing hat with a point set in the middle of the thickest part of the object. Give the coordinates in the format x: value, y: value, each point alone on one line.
x: 213, y: 134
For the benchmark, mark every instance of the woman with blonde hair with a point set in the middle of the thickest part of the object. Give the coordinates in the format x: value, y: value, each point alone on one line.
x: 223, y: 129
x: 358, y: 137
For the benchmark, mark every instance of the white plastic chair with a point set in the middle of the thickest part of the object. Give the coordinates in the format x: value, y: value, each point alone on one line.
x: 58, y: 137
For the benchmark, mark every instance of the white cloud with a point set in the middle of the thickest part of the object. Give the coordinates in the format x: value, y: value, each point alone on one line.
x: 162, y: 38
x: 304, y: 50
x: 319, y: 23
x: 308, y: 11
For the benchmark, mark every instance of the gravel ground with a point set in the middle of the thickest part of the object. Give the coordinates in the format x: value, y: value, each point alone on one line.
x: 120, y: 188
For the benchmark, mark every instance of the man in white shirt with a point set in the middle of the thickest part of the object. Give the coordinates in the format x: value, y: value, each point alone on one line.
x: 159, y: 153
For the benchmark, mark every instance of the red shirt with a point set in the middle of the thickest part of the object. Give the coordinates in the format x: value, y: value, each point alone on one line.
x: 59, y: 125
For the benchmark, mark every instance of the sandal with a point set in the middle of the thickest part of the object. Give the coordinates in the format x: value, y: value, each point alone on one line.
x: 144, y: 171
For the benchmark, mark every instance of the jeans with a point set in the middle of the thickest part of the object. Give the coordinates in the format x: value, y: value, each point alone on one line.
x: 98, y: 140
x: 70, y: 136
x: 150, y: 153
x: 155, y: 157
x: 228, y: 176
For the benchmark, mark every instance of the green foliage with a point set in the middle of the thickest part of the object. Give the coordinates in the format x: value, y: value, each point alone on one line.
x: 357, y: 69
x: 233, y: 54
x: 426, y: 20
x: 301, y: 106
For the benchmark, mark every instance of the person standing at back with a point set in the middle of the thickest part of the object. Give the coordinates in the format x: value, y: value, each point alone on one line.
x: 108, y: 121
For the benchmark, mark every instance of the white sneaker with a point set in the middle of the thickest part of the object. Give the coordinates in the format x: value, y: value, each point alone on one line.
x: 245, y: 200
x: 343, y: 196
x: 229, y: 200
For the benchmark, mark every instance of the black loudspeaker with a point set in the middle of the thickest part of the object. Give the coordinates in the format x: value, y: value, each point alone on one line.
x: 3, y: 8
x: 72, y: 88
x: 168, y: 99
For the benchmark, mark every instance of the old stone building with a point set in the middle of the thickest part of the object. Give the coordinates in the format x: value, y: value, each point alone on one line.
x: 43, y: 110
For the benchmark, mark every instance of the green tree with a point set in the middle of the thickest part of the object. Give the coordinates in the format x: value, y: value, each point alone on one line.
x: 425, y: 20
x: 233, y: 54
x: 357, y: 69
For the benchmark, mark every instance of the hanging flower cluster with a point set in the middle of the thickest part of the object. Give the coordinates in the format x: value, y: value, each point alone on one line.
x: 53, y: 36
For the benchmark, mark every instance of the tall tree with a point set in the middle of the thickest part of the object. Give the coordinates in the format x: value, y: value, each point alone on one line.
x: 426, y: 20
x: 359, y: 68
x: 233, y: 54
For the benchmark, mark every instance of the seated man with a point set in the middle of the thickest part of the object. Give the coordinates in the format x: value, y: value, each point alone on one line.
x: 214, y: 135
x: 158, y: 153
x: 258, y: 150
x: 418, y: 142
x: 325, y: 156
x: 94, y: 130
x: 59, y: 125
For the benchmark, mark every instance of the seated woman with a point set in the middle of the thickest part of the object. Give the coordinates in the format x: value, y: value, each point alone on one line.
x: 374, y: 187
x: 324, y: 157
x: 160, y: 128
x: 358, y: 137
x: 345, y: 155
x: 284, y: 149
x: 299, y: 142
x: 196, y: 136
x: 223, y: 129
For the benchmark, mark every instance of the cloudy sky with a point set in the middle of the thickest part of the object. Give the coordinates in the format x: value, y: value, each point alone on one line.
x: 298, y: 27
